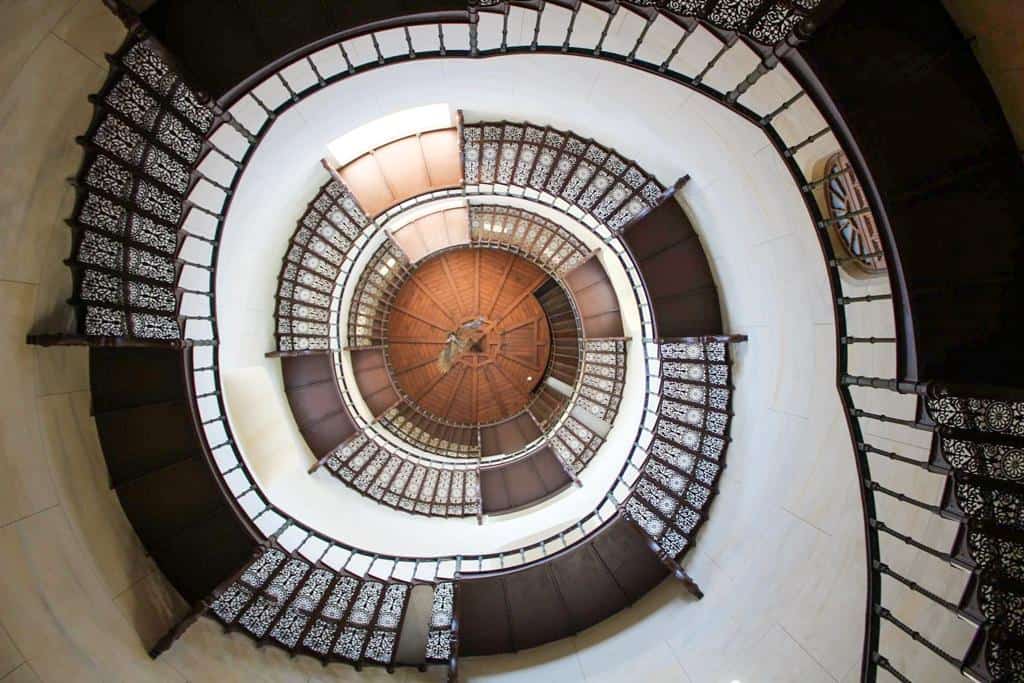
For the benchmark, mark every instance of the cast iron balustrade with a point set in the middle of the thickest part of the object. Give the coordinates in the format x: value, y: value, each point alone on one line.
x: 561, y: 164
x: 304, y: 606
x: 330, y: 228
x: 977, y: 445
x: 146, y: 135
x: 575, y: 444
x: 442, y: 637
x: 604, y: 374
x: 982, y: 545
x: 686, y: 442
x: 385, y: 474
x: 533, y: 237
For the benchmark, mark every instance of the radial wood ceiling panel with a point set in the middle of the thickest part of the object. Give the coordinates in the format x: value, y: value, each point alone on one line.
x: 467, y: 339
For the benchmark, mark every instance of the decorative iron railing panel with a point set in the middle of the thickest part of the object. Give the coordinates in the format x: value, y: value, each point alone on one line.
x: 441, y: 632
x: 559, y: 163
x: 979, y: 414
x: 307, y: 607
x: 542, y: 242
x: 388, y: 476
x: 325, y: 234
x: 145, y: 138
x: 687, y: 443
x: 575, y: 444
x: 604, y: 376
x: 766, y: 21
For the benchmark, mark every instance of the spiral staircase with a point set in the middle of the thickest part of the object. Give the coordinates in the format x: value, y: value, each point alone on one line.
x: 492, y: 318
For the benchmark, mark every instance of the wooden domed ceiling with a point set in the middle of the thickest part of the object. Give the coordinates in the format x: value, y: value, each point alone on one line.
x: 467, y: 340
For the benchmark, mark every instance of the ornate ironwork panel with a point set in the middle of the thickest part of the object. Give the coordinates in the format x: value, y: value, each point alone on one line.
x: 386, y: 475
x: 522, y: 232
x: 978, y: 414
x: 141, y: 148
x: 324, y: 238
x: 764, y: 21
x: 442, y: 614
x: 687, y: 449
x: 314, y: 609
x: 591, y: 177
x: 604, y: 373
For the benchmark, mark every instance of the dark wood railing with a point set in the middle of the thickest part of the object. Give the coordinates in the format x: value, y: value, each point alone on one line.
x: 976, y: 431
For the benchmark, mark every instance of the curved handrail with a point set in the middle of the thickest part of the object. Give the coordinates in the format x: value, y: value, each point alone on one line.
x: 625, y: 480
x: 904, y: 341
x: 482, y: 461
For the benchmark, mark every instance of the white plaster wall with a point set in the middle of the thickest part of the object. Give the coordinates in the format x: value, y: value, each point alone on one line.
x: 783, y: 550
x: 780, y: 562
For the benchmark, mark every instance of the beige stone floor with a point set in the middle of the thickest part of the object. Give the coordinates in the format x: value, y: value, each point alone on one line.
x: 79, y: 600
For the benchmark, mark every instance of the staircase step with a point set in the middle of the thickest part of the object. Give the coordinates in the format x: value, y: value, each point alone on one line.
x: 130, y: 377
x: 560, y: 596
x: 521, y: 483
x: 537, y: 612
x: 484, y: 622
x: 169, y: 500
x: 676, y: 272
x: 157, y: 466
x: 622, y: 548
x: 508, y: 436
x: 590, y: 591
x: 216, y: 540
x: 140, y: 440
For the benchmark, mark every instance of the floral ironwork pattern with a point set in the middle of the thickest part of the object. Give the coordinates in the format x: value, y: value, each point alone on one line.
x: 604, y: 372
x: 575, y: 444
x: 978, y: 414
x: 325, y: 235
x: 687, y: 447
x: 310, y: 608
x: 593, y: 178
x: 387, y: 476
x: 522, y: 232
x: 442, y: 613
x: 978, y: 446
x: 141, y: 147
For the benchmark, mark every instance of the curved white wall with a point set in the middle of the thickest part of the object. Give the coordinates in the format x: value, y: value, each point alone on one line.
x: 780, y: 562
x: 789, y: 490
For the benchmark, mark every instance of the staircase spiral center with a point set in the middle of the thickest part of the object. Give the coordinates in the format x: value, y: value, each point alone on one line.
x: 467, y: 339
